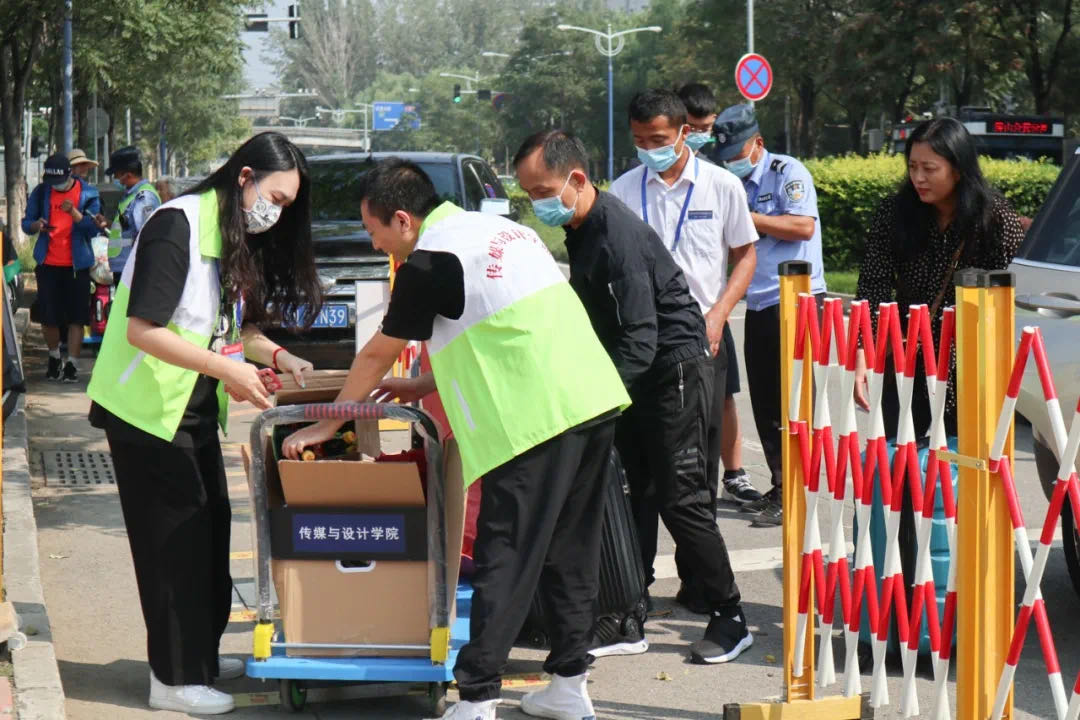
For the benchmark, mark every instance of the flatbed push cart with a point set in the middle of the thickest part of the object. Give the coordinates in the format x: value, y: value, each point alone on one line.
x: 270, y: 659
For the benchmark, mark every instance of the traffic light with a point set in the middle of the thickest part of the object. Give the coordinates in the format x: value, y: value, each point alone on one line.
x: 136, y: 130
x: 483, y: 94
x: 294, y: 25
x: 457, y: 93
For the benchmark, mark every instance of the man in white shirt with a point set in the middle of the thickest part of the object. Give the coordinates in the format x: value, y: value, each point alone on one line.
x: 699, y: 211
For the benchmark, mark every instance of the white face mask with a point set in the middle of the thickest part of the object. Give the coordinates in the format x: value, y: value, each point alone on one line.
x: 263, y: 215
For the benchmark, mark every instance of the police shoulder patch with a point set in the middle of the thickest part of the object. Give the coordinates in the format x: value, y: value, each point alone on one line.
x: 795, y: 191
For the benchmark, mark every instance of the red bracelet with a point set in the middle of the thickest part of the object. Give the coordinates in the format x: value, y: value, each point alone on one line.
x: 273, y: 358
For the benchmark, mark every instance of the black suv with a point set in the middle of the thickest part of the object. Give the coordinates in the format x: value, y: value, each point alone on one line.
x: 343, y: 250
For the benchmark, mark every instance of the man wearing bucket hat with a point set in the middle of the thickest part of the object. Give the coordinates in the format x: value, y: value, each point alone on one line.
x: 60, y: 211
x: 783, y: 206
x: 80, y: 168
x: 139, y: 201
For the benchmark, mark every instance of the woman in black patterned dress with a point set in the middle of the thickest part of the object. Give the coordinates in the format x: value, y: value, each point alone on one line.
x: 944, y: 217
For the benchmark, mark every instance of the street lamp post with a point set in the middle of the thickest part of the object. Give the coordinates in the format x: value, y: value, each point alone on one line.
x: 615, y: 43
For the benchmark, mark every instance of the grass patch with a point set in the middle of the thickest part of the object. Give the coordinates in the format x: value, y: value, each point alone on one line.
x: 554, y: 238
x: 842, y: 281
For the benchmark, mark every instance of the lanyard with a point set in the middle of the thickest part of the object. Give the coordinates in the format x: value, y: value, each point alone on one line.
x: 682, y: 213
x: 235, y: 309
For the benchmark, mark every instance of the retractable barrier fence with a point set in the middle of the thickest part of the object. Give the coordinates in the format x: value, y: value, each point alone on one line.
x: 826, y: 462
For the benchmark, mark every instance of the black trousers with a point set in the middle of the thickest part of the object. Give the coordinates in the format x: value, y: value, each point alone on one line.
x: 716, y: 418
x: 176, y: 508
x: 761, y: 346
x: 540, y: 525
x: 661, y: 439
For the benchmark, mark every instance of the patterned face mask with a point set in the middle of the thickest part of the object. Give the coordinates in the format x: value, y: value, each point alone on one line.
x: 263, y: 215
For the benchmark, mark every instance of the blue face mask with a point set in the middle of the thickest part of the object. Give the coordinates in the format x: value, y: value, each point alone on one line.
x: 660, y: 159
x: 119, y: 184
x: 551, y: 211
x: 742, y: 167
x: 696, y: 141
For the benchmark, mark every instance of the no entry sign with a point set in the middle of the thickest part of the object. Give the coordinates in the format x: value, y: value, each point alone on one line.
x: 753, y: 76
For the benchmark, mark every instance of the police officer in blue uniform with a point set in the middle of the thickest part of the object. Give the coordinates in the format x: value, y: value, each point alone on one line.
x: 783, y: 205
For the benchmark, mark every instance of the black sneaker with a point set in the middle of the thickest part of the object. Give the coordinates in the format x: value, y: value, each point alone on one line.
x: 758, y: 505
x: 725, y: 639
x: 53, y: 373
x: 771, y: 516
x: 737, y: 489
x: 71, y: 373
x: 692, y: 597
x: 612, y: 635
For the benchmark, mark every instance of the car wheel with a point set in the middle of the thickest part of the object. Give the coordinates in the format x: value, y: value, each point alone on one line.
x: 1047, y: 464
x: 1070, y: 541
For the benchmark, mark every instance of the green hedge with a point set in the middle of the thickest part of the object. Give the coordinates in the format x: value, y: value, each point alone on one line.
x: 850, y: 188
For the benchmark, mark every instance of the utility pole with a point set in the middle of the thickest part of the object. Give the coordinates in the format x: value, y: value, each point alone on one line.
x: 750, y: 32
x: 127, y: 123
x: 68, y: 101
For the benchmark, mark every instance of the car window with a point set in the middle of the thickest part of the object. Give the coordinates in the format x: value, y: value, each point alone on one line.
x: 491, y: 182
x: 1056, y: 238
x: 334, y: 186
x: 476, y: 189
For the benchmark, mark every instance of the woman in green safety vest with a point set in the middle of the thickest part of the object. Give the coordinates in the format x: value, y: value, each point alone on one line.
x: 208, y: 267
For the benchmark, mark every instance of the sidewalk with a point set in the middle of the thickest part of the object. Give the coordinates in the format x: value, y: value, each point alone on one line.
x: 99, y: 637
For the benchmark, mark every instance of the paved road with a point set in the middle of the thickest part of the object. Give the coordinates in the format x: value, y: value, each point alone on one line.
x: 90, y: 590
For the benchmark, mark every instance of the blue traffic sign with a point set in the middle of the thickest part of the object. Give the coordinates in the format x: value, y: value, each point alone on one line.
x: 387, y: 115
x: 753, y: 77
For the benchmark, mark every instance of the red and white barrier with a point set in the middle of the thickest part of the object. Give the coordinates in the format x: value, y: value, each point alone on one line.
x: 1066, y: 486
x: 812, y: 560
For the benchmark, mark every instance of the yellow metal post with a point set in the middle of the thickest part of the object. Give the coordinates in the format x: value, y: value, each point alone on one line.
x: 794, y: 279
x: 799, y: 702
x: 985, y: 339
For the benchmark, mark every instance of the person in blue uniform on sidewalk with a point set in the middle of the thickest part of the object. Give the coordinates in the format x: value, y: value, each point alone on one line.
x: 783, y: 206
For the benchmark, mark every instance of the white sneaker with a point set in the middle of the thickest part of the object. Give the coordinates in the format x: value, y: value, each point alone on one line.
x: 566, y: 698
x: 193, y: 699
x: 465, y: 710
x: 230, y: 668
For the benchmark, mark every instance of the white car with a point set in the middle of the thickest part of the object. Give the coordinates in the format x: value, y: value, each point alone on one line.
x: 1047, y: 269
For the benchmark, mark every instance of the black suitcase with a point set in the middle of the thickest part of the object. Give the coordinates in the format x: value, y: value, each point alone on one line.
x: 622, y: 575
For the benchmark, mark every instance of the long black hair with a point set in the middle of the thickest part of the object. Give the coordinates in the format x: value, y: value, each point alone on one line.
x: 974, y: 197
x: 275, y: 270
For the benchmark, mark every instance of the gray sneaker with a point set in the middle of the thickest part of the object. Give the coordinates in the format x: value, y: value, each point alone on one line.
x: 771, y: 516
x: 757, y: 506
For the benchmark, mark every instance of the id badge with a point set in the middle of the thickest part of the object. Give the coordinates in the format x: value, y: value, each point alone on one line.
x: 234, y: 351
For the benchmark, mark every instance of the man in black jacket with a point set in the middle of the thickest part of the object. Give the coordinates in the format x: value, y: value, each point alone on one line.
x: 642, y: 311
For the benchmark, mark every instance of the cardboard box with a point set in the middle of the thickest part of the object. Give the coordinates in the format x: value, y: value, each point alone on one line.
x: 384, y: 602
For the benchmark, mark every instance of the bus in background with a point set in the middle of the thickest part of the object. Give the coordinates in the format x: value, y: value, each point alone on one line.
x: 1001, y: 135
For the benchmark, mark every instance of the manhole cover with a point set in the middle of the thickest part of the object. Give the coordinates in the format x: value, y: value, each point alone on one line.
x: 67, y: 467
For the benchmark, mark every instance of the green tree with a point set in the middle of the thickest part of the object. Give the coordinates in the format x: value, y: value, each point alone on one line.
x: 23, y: 29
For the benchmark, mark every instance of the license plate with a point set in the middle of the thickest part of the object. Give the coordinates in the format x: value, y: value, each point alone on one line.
x: 331, y: 316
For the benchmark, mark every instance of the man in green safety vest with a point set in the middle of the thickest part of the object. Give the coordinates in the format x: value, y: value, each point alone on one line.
x: 532, y: 398
x: 138, y: 203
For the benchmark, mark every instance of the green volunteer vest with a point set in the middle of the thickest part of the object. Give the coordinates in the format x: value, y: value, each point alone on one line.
x: 522, y: 364
x: 116, y: 231
x: 143, y: 390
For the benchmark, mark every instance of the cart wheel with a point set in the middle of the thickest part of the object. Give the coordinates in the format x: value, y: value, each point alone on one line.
x: 437, y: 697
x: 536, y: 638
x: 293, y: 695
